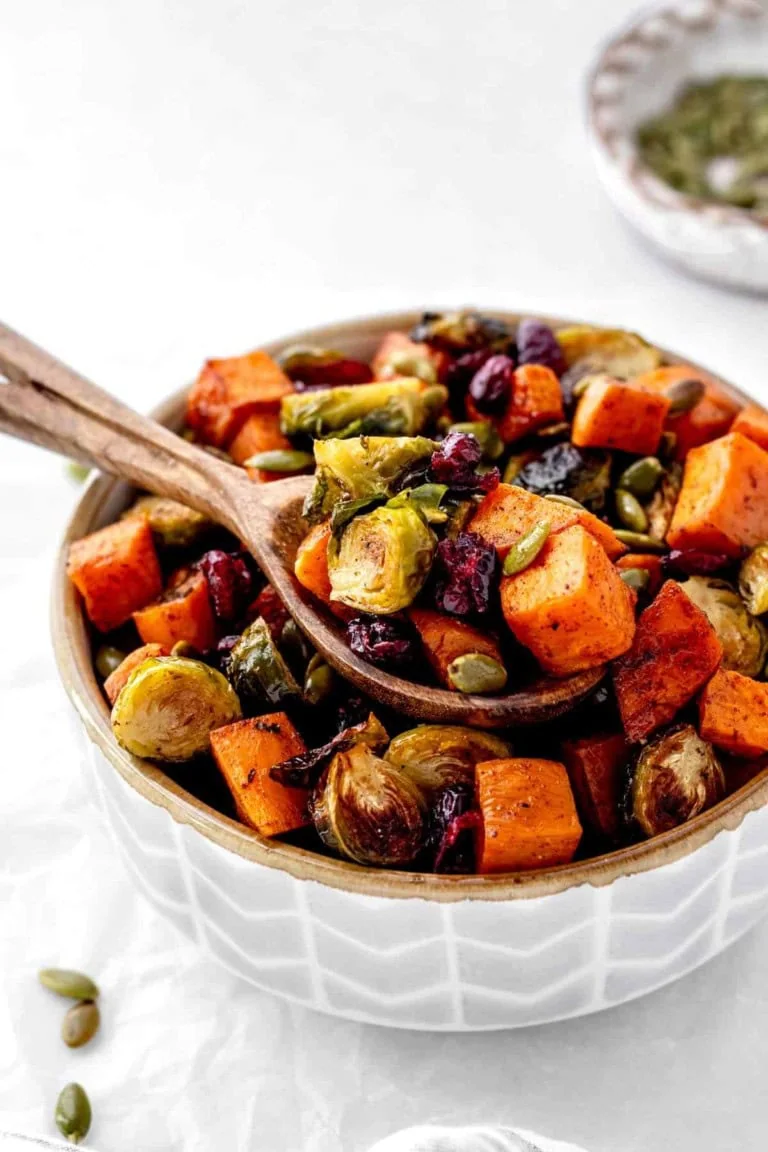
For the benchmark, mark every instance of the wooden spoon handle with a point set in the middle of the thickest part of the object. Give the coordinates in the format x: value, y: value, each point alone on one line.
x: 44, y: 401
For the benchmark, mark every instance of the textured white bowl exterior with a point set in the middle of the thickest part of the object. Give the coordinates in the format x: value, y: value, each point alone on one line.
x: 412, y: 963
x: 636, y: 76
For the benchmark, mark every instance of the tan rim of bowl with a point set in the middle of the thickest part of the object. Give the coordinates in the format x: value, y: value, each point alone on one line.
x: 73, y: 656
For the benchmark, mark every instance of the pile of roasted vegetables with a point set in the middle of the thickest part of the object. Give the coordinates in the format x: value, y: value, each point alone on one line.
x: 488, y: 505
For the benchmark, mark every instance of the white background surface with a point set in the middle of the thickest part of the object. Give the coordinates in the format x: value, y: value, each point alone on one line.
x: 184, y: 180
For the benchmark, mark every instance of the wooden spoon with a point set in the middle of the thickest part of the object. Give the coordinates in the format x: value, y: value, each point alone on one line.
x: 45, y: 402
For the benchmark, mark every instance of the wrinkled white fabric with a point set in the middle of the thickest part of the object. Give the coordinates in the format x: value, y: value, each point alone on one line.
x: 478, y: 1138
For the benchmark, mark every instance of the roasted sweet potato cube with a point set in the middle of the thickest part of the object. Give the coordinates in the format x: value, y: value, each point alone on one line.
x: 311, y: 564
x: 117, y: 680
x: 752, y: 422
x: 182, y: 613
x: 710, y: 418
x: 507, y: 513
x: 733, y: 713
x: 535, y: 400
x: 723, y: 503
x: 227, y: 392
x: 397, y: 346
x: 596, y: 766
x: 674, y: 653
x: 260, y: 433
x: 116, y: 571
x: 245, y: 752
x: 620, y: 414
x: 528, y: 817
x: 570, y: 607
x: 445, y: 639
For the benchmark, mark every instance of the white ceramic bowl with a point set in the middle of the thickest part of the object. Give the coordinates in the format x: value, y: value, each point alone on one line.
x: 636, y: 75
x: 395, y: 948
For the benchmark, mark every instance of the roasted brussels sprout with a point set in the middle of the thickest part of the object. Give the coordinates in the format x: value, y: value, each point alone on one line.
x: 381, y: 561
x: 400, y: 407
x: 743, y: 637
x: 368, y: 809
x: 426, y: 498
x: 438, y: 755
x: 173, y: 524
x: 566, y: 470
x: 753, y: 580
x: 305, y: 769
x: 169, y: 707
x: 257, y: 670
x: 675, y: 778
x: 611, y: 350
x: 662, y: 506
x: 458, y: 332
x: 362, y: 469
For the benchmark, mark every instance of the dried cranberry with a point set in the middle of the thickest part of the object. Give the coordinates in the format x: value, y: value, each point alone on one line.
x: 537, y: 344
x: 308, y: 375
x: 465, y: 574
x: 691, y: 562
x: 460, y: 372
x: 223, y: 651
x: 451, y: 824
x: 270, y: 607
x: 304, y: 770
x: 386, y: 643
x: 491, y: 385
x: 230, y: 582
x: 455, y: 463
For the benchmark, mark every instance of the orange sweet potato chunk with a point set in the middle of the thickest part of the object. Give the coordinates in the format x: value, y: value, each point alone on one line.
x: 182, y: 613
x: 116, y: 571
x: 570, y: 607
x: 227, y: 392
x: 620, y: 414
x: 508, y: 513
x: 260, y: 433
x: 117, y: 680
x: 723, y: 503
x: 674, y: 653
x: 535, y: 400
x: 733, y: 713
x: 596, y: 770
x: 244, y: 753
x: 752, y: 422
x: 311, y: 564
x: 445, y: 638
x: 710, y: 418
x: 528, y: 815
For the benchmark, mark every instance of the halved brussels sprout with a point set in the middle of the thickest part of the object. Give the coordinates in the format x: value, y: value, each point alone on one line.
x: 464, y: 331
x: 400, y: 407
x: 258, y: 671
x: 565, y: 470
x: 361, y: 469
x: 174, y: 524
x: 675, y: 778
x: 369, y: 809
x: 753, y: 580
x: 743, y: 637
x: 382, y: 560
x: 438, y: 755
x: 170, y: 705
x: 611, y: 350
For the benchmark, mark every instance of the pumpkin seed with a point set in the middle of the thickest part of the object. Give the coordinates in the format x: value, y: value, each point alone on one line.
x: 567, y: 500
x: 638, y: 541
x: 107, y: 660
x: 667, y: 445
x: 486, y: 436
x: 73, y: 1113
x: 67, y: 982
x: 527, y: 548
x: 642, y: 476
x: 319, y: 681
x: 581, y: 385
x: 561, y: 428
x: 684, y: 395
x: 637, y: 578
x: 184, y: 648
x: 77, y: 471
x: 476, y: 674
x: 281, y: 460
x: 630, y: 511
x: 80, y: 1024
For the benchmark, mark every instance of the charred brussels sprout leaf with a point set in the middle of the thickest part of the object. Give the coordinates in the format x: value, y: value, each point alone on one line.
x: 426, y: 498
x: 565, y: 470
x: 743, y: 637
x: 437, y: 756
x: 169, y: 707
x: 368, y: 809
x: 173, y: 524
x: 753, y: 580
x: 401, y: 407
x: 676, y: 777
x: 380, y: 563
x: 258, y: 671
x: 362, y: 469
x: 611, y: 350
x: 662, y: 506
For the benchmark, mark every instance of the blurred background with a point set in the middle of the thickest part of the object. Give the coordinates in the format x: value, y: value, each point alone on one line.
x: 187, y: 179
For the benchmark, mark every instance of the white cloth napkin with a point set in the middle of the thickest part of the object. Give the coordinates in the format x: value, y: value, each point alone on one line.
x: 478, y: 1138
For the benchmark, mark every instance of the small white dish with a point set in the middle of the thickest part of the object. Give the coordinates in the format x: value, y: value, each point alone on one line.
x: 635, y: 76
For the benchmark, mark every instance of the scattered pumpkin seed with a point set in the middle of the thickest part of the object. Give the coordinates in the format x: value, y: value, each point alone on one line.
x: 567, y: 500
x: 319, y: 680
x: 642, y: 476
x: 630, y: 511
x: 527, y: 548
x: 73, y: 1113
x: 281, y: 460
x: 476, y: 674
x: 67, y: 982
x: 637, y: 578
x: 107, y: 660
x: 77, y: 471
x: 486, y: 436
x: 639, y: 541
x: 684, y: 395
x: 80, y: 1024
